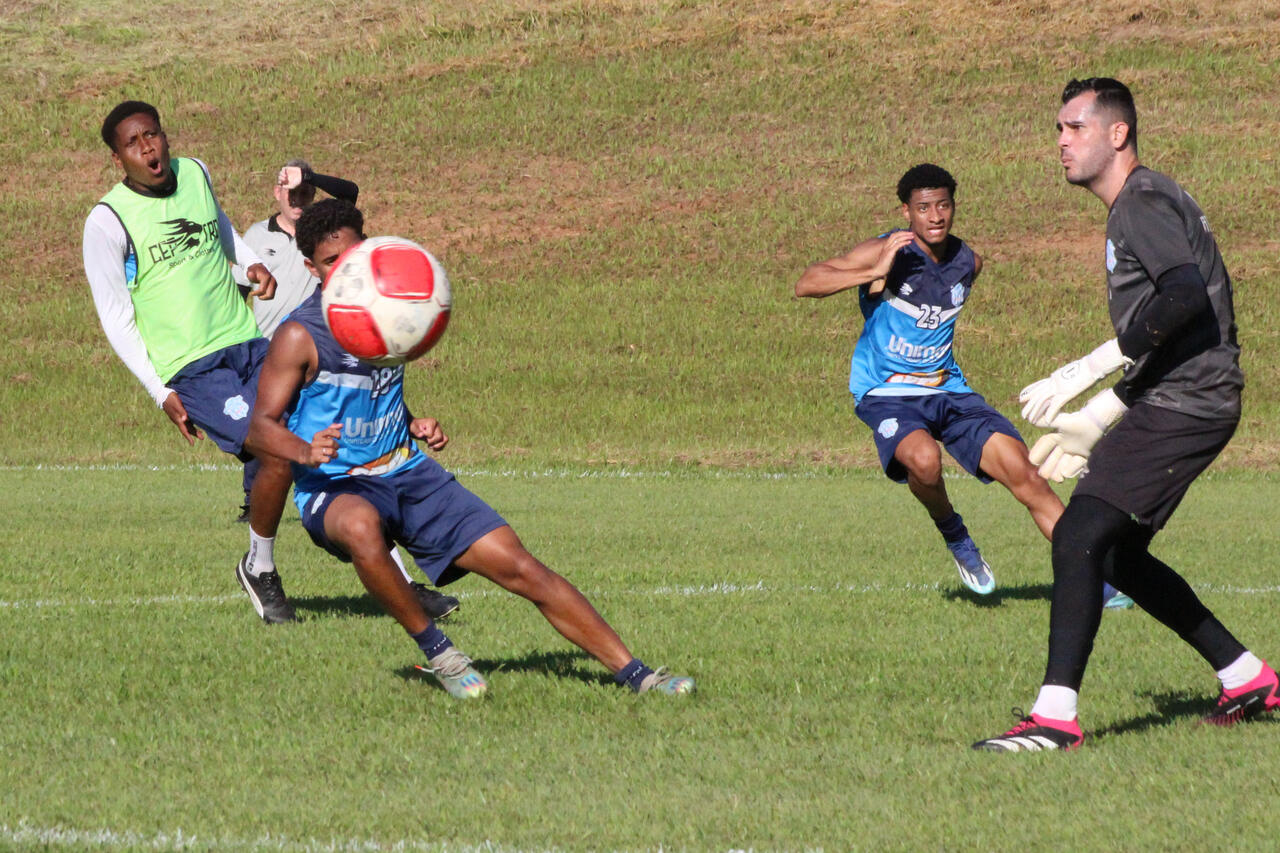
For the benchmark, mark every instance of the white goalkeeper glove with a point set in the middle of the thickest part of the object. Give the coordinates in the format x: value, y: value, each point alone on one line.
x: 1044, y: 399
x: 1064, y: 452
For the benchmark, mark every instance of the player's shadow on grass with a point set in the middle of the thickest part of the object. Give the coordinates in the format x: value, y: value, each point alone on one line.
x: 1029, y: 592
x: 562, y: 664
x: 337, y: 605
x: 358, y: 606
x: 1169, y: 707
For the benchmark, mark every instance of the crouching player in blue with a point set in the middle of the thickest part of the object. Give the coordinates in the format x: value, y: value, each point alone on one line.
x: 904, y: 377
x: 361, y: 483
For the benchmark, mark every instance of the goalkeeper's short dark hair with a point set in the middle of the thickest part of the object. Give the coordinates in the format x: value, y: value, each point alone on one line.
x: 1112, y: 96
x: 925, y: 176
x: 322, y: 219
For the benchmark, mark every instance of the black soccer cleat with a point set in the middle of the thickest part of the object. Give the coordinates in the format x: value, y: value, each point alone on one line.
x: 243, y: 517
x: 267, y: 594
x: 1259, y: 696
x: 1034, y: 733
x: 437, y: 605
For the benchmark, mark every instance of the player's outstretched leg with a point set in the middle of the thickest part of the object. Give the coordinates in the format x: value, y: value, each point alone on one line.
x: 919, y: 454
x: 352, y: 523
x: 500, y: 557
x: 256, y: 570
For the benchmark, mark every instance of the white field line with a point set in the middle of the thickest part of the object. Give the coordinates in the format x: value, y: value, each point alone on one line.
x: 689, y: 591
x: 46, y: 837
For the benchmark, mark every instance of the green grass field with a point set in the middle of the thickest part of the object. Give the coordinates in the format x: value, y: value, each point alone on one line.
x: 842, y: 675
x: 624, y: 193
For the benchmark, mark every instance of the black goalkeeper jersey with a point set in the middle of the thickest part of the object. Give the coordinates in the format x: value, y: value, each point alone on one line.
x: 1153, y: 227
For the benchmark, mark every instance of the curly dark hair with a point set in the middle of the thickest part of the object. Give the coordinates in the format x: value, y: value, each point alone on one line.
x: 119, y: 113
x: 1112, y: 96
x: 925, y: 176
x: 322, y: 219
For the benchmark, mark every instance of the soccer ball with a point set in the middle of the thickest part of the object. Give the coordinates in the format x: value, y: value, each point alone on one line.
x: 386, y: 300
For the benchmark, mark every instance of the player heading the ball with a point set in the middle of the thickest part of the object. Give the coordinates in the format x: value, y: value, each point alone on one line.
x: 361, y: 482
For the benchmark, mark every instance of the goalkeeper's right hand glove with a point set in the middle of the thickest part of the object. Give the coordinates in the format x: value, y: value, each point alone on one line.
x: 1043, y: 400
x: 1064, y: 452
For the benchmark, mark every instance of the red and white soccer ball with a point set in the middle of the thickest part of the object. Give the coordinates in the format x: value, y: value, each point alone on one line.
x: 386, y: 300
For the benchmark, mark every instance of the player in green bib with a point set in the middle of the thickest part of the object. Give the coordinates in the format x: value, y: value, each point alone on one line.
x: 157, y: 252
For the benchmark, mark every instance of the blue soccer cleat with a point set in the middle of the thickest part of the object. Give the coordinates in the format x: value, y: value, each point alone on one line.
x: 1114, y: 599
x: 974, y: 570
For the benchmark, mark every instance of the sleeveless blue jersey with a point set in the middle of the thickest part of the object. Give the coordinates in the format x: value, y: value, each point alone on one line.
x: 369, y: 403
x: 908, y: 329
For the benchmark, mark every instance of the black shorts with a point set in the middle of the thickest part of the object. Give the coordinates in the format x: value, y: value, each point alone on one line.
x: 1146, y: 464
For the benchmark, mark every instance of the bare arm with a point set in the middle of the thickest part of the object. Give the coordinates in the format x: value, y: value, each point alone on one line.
x: 868, y: 262
x: 291, y: 361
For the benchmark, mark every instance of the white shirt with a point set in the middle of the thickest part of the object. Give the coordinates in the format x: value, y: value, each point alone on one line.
x: 294, y: 282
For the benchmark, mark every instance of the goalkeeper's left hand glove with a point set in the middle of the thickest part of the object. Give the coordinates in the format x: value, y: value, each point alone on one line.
x: 1064, y: 452
x: 1044, y: 399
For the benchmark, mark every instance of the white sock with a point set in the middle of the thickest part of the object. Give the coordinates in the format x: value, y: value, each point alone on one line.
x: 1056, y: 702
x: 395, y: 558
x: 261, y: 554
x: 1240, y: 671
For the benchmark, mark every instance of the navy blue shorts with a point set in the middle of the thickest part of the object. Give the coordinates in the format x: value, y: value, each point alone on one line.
x: 962, y: 422
x: 219, y: 390
x: 434, y: 523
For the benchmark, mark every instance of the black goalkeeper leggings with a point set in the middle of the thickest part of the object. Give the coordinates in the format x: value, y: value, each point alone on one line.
x: 1095, y: 542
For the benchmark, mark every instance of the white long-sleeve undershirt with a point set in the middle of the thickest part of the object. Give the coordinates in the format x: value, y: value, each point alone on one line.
x: 105, y: 249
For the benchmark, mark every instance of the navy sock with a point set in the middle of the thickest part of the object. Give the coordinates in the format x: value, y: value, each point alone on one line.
x: 952, y: 529
x: 632, y: 674
x: 432, y: 641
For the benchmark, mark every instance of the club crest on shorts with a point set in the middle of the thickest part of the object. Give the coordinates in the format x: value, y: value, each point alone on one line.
x: 888, y: 428
x: 1111, y: 256
x: 235, y: 408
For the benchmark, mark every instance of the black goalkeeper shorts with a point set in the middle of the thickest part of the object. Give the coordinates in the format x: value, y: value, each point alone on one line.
x: 1145, y: 465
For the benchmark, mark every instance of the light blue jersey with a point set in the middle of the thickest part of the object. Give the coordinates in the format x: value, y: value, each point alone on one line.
x: 369, y: 403
x: 909, y: 327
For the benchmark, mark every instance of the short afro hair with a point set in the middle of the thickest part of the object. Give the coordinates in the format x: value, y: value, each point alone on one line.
x: 322, y: 219
x: 1112, y: 96
x: 925, y: 176
x: 119, y: 113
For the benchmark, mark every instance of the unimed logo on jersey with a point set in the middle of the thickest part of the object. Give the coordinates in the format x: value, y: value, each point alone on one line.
x: 916, y: 352
x: 182, y: 238
x: 357, y: 430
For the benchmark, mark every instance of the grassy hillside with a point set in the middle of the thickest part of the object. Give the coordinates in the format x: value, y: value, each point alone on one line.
x: 624, y: 194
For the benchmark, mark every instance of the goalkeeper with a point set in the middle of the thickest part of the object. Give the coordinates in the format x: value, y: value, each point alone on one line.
x: 1174, y: 409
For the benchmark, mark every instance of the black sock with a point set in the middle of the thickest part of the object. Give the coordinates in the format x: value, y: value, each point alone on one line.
x: 432, y: 641
x: 952, y: 528
x: 632, y: 674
